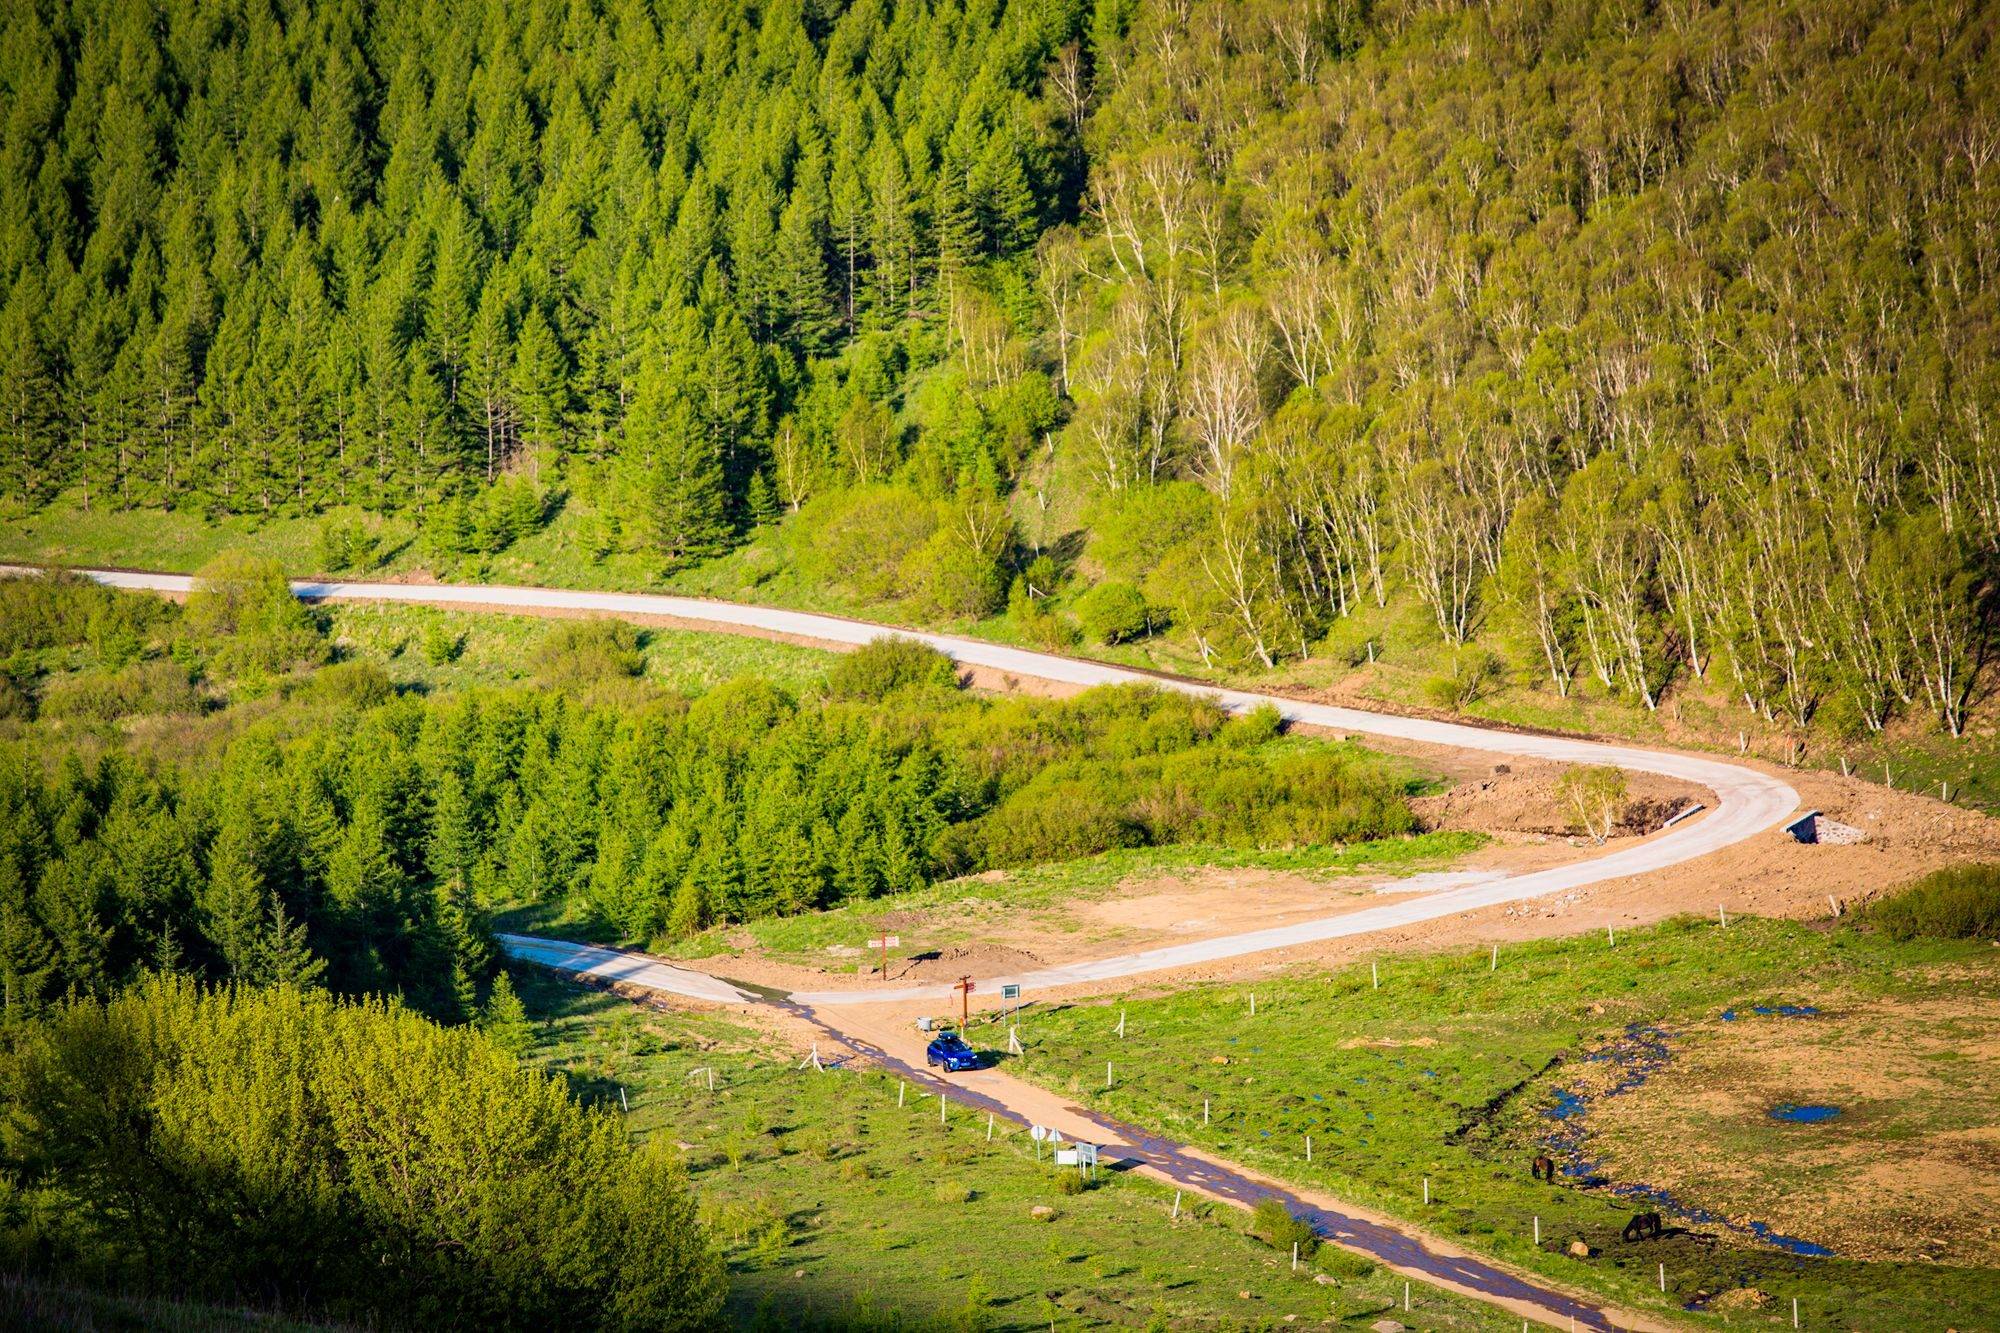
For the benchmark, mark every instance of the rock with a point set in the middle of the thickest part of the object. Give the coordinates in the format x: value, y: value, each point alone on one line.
x: 1218, y: 1059
x: 1041, y: 1212
x: 1242, y: 1295
x: 1581, y: 1249
x: 1291, y: 1319
x: 1385, y: 1326
x: 1325, y: 1280
x: 798, y: 1272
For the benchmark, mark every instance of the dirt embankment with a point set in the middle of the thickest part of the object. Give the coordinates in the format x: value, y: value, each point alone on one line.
x: 1526, y: 797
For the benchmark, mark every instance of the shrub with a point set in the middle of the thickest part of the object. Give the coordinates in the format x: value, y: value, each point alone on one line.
x: 1345, y: 1263
x: 1272, y: 1222
x: 1957, y: 903
x: 151, y: 688
x: 1597, y: 794
x: 1069, y: 1180
x: 860, y: 540
x: 60, y: 610
x: 883, y: 666
x: 952, y: 1191
x: 1114, y: 612
x: 441, y: 644
x: 587, y: 652
x: 210, y: 1143
x: 243, y: 602
x: 354, y: 685
x: 343, y: 543
x: 951, y: 577
x: 1473, y: 671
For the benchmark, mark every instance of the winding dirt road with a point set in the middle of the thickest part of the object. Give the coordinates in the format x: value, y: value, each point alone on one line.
x: 1747, y: 803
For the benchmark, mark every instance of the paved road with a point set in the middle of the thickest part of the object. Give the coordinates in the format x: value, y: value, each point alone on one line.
x: 1747, y: 802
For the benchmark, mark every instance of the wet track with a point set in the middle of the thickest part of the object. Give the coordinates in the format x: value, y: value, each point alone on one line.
x: 1126, y: 1146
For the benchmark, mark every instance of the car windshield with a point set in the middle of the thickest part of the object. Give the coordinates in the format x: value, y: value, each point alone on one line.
x: 950, y: 1039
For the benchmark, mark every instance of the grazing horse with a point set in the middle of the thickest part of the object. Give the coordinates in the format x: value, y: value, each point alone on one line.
x: 1646, y: 1226
x: 1544, y: 1168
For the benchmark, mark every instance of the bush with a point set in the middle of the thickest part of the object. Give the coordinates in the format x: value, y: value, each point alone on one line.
x: 214, y: 1143
x: 951, y: 578
x: 243, y: 602
x: 886, y: 665
x: 355, y: 685
x: 1069, y: 1180
x: 860, y: 540
x: 588, y: 652
x: 1597, y: 794
x: 149, y: 689
x: 952, y: 1191
x: 1272, y: 1222
x: 441, y: 644
x: 1345, y: 1263
x: 1114, y: 612
x: 1473, y: 672
x: 59, y: 610
x: 343, y: 543
x: 1957, y: 903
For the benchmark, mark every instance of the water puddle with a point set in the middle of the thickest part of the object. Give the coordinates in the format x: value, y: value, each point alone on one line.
x: 1640, y: 1053
x: 1807, y: 1114
x: 1775, y: 1011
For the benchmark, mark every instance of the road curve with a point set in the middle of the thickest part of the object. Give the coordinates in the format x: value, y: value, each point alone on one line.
x: 1747, y: 802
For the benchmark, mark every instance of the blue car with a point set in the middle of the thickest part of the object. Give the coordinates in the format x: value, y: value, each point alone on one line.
x: 949, y: 1052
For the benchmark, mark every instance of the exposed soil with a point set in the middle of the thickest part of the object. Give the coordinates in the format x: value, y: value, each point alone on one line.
x: 1909, y: 1169
x: 1525, y: 797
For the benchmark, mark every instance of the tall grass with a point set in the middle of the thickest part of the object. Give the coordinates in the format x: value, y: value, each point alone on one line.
x: 1956, y: 903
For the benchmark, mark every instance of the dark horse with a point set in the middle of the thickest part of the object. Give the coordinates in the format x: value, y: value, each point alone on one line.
x: 1544, y: 1168
x: 1646, y: 1226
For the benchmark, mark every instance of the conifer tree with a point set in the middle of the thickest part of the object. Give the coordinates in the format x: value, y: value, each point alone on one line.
x: 505, y: 1018
x: 285, y: 956
x: 235, y: 900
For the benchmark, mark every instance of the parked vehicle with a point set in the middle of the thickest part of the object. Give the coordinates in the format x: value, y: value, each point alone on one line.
x: 949, y: 1052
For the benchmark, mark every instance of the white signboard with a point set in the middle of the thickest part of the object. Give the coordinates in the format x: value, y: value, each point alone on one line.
x: 1010, y: 992
x: 886, y: 942
x: 1068, y: 1157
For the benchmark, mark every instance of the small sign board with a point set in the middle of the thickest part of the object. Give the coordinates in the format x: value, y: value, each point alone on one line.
x: 1010, y: 992
x: 886, y: 942
x: 1086, y: 1154
x: 1038, y: 1132
x: 1069, y: 1157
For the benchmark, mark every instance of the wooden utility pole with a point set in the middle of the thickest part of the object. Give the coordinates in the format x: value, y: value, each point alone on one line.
x: 964, y: 989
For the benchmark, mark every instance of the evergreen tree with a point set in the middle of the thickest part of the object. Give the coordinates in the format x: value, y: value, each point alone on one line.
x: 285, y: 956
x: 27, y: 956
x: 235, y: 905
x: 505, y: 1018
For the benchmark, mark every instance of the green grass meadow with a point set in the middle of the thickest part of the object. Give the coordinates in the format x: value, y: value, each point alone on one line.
x: 837, y: 1208
x: 1447, y: 1071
